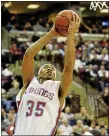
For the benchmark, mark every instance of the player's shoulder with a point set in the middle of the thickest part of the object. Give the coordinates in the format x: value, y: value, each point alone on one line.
x: 34, y: 80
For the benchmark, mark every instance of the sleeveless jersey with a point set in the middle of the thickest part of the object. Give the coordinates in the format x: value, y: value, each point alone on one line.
x: 39, y: 109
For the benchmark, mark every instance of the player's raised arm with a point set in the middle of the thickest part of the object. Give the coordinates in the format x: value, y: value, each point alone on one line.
x: 66, y: 78
x: 28, y: 60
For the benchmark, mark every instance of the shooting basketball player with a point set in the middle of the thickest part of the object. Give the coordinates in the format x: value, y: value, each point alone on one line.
x: 42, y: 98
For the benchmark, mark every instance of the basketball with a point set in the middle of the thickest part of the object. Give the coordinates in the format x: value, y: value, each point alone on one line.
x: 62, y: 22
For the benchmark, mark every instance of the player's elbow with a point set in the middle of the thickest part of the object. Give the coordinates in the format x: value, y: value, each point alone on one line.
x: 27, y: 54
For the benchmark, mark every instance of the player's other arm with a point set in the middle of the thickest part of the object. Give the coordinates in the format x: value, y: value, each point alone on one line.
x: 28, y: 60
x: 66, y: 78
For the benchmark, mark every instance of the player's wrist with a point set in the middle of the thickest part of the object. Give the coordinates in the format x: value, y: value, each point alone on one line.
x: 51, y: 34
x: 71, y: 34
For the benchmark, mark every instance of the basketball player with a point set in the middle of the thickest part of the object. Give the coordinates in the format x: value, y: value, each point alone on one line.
x: 42, y: 98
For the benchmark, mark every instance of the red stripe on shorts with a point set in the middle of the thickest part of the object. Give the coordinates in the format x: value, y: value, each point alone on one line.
x: 59, y: 112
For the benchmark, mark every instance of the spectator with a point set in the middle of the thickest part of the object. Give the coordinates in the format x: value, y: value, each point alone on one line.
x: 14, y: 27
x: 105, y: 95
x: 102, y: 72
x: 6, y: 104
x: 32, y: 20
x: 92, y: 133
x: 85, y: 129
x: 12, y: 92
x: 101, y: 123
x: 104, y: 55
x: 8, y: 121
x: 84, y: 113
x: 75, y: 129
x: 103, y: 132
x: 93, y: 71
x: 6, y: 72
x: 12, y: 111
x: 38, y: 26
x: 9, y: 26
x: 94, y: 29
x: 65, y: 127
x: 79, y: 125
x: 50, y: 45
x: 10, y: 130
x: 95, y: 132
x: 61, y: 132
x: 3, y: 114
x: 14, y: 52
x: 93, y: 125
x: 88, y: 134
x: 69, y: 116
x: 28, y: 26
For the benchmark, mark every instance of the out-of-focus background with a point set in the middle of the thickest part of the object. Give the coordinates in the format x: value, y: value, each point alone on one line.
x: 22, y: 23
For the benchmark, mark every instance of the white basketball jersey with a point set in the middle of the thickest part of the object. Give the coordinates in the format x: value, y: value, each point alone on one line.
x: 39, y: 109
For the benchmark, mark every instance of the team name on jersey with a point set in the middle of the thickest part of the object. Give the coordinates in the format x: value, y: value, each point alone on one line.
x: 41, y: 92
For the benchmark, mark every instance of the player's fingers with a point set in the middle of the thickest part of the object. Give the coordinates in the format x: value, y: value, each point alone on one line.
x: 79, y: 20
x: 68, y: 18
x: 74, y: 17
x: 78, y: 23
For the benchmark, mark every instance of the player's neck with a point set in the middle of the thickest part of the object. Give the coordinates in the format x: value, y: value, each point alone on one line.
x: 42, y: 80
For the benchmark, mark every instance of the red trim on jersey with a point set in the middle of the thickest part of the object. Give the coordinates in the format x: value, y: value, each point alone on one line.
x: 56, y: 122
x: 18, y: 103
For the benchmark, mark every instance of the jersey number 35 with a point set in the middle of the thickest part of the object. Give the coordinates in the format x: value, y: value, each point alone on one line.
x: 38, y: 110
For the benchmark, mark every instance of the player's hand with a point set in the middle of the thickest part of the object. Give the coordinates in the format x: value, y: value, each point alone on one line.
x: 74, y: 24
x: 54, y: 32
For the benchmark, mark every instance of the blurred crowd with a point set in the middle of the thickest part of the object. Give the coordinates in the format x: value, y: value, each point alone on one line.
x: 35, y: 22
x: 80, y: 124
x: 32, y: 23
x: 92, y: 65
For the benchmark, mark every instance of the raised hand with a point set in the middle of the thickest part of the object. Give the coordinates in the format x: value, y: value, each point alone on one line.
x: 54, y: 32
x: 74, y: 24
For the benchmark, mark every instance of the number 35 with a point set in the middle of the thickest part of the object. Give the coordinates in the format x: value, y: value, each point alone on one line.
x: 39, y: 108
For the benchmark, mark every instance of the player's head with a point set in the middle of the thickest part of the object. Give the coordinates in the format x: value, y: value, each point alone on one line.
x: 47, y: 72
